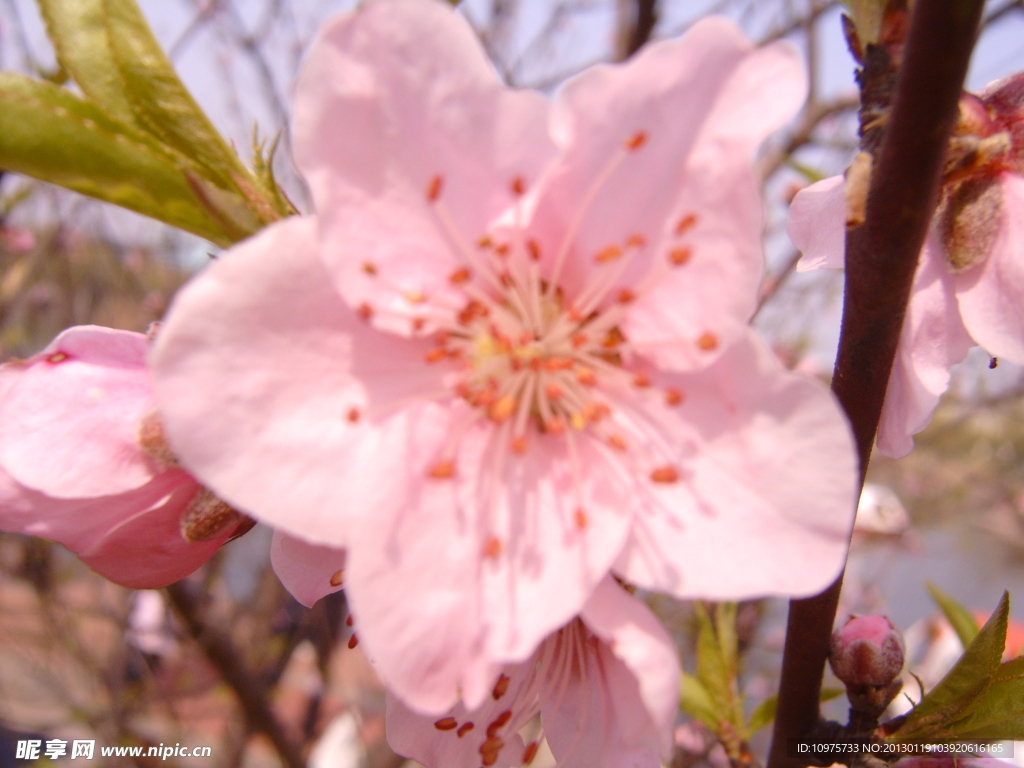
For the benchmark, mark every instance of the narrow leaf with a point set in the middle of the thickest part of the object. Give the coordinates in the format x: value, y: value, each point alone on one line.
x: 960, y: 618
x: 695, y: 701
x: 764, y: 713
x: 998, y: 714
x: 50, y: 134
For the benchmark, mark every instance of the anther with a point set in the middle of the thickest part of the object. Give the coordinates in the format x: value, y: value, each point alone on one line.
x: 434, y: 188
x: 611, y: 253
x: 499, y: 723
x: 353, y: 415
x: 490, y: 750
x: 365, y: 311
x: 207, y: 517
x: 555, y: 425
x: 443, y: 470
x: 612, y: 339
x: 492, y: 549
x: 502, y: 249
x: 680, y: 255
x: 518, y: 186
x: 415, y: 297
x: 596, y: 411
x: 464, y: 729
x: 558, y: 363
x: 685, y: 224
x: 369, y: 268
x: 519, y: 445
x: 617, y: 442
x: 435, y: 355
x: 585, y: 376
x: 579, y: 340
x: 993, y: 363
x: 626, y: 296
x: 350, y: 620
x: 708, y: 341
x: 577, y: 420
x: 530, y: 752
x: 533, y: 247
x: 459, y: 276
x: 500, y: 687
x: 353, y: 641
x: 484, y: 241
x: 641, y: 380
x: 580, y: 518
x: 502, y: 408
x: 665, y: 474
x: 636, y: 241
x: 418, y: 324
x: 56, y: 357
x: 553, y: 390
x: 637, y: 140
x: 673, y: 397
x: 337, y: 578
x: 446, y: 724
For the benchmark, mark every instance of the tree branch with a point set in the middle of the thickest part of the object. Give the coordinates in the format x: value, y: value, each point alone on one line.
x: 881, y: 257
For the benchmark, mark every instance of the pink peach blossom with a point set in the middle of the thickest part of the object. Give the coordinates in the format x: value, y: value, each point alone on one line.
x: 72, y: 468
x: 511, y: 353
x: 969, y: 284
x: 606, y: 687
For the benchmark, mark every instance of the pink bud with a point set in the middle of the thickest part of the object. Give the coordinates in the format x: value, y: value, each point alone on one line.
x: 867, y: 650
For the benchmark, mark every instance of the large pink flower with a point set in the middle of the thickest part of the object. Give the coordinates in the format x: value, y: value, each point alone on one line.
x: 969, y: 284
x: 73, y: 469
x: 606, y: 687
x: 511, y: 352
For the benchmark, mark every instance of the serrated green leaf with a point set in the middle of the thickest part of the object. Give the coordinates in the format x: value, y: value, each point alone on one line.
x: 695, y: 701
x: 998, y: 714
x: 717, y: 664
x: 960, y: 618
x: 964, y: 685
x: 78, y: 31
x: 50, y: 134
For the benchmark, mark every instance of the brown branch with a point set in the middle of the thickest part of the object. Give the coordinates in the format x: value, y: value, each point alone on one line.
x: 881, y: 256
x: 639, y: 18
x: 227, y: 659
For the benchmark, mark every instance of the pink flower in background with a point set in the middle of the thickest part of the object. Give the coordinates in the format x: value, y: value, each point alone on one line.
x: 74, y: 465
x: 969, y: 285
x: 510, y: 355
x: 606, y: 687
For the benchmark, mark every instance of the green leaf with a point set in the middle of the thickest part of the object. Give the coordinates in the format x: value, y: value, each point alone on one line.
x: 717, y: 664
x: 999, y: 713
x: 964, y: 685
x: 50, y: 134
x: 764, y: 713
x: 964, y: 625
x: 695, y: 701
x: 78, y: 31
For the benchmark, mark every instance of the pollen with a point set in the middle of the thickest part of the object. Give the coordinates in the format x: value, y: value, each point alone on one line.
x: 499, y: 722
x: 673, y: 397
x: 500, y: 687
x: 680, y: 255
x: 637, y: 140
x: 337, y: 578
x: 464, y: 729
x: 530, y: 752
x: 434, y: 188
x: 369, y: 268
x: 581, y: 519
x: 685, y: 224
x: 578, y: 421
x: 57, y: 357
x: 611, y: 253
x: 492, y: 550
x: 443, y: 470
x: 353, y: 415
x: 708, y: 341
x: 446, y: 724
x: 585, y: 376
x: 459, y: 276
x: 665, y: 474
x: 502, y: 408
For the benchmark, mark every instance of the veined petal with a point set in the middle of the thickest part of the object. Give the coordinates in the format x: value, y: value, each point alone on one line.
x: 308, y: 571
x: 765, y: 478
x: 89, y: 387
x: 817, y: 224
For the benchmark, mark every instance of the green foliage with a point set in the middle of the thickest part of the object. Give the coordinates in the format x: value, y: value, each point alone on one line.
x: 980, y: 698
x: 960, y: 618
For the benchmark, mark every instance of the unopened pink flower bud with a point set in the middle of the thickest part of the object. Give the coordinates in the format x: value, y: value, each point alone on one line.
x: 867, y: 650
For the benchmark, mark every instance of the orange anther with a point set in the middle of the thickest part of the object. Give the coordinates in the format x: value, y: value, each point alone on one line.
x: 579, y: 340
x: 553, y: 390
x: 490, y: 750
x: 518, y: 186
x: 585, y: 376
x: 673, y: 397
x: 500, y: 687
x: 641, y: 380
x: 574, y: 314
x: 637, y: 140
x: 499, y: 723
x: 530, y: 752
x: 611, y: 253
x: 350, y: 620
x: 506, y: 279
x: 525, y: 338
x: 502, y: 249
x: 636, y: 241
x: 415, y: 297
x: 442, y: 470
x: 56, y: 357
x: 464, y: 729
x: 617, y: 442
x: 680, y: 255
x: 533, y: 248
x: 613, y: 338
x: 446, y: 724
x: 435, y: 355
x: 558, y: 363
x: 708, y: 341
x: 369, y: 268
x: 353, y: 641
x: 485, y: 241
x: 365, y: 311
x: 502, y: 408
x: 337, y: 578
x: 626, y: 296
x: 434, y: 188
x: 519, y: 445
x: 685, y: 224
x: 580, y: 518
x: 418, y: 324
x: 353, y: 415
x: 665, y: 474
x: 555, y: 425
x: 459, y: 276
x: 492, y: 549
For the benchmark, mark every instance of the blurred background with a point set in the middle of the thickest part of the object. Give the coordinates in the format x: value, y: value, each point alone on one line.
x: 228, y: 659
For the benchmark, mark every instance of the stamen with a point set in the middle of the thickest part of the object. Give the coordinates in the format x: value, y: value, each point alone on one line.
x: 465, y: 728
x: 490, y: 750
x: 665, y: 474
x: 637, y: 140
x: 353, y: 641
x: 460, y: 276
x: 680, y: 255
x: 443, y: 470
x: 369, y: 268
x: 446, y: 724
x: 499, y: 723
x: 530, y: 752
x: 685, y: 224
x: 708, y: 341
x: 580, y: 518
x: 353, y: 415
x: 492, y: 549
x: 337, y: 578
x: 673, y: 397
x: 434, y: 188
x: 611, y: 253
x: 365, y: 311
x: 56, y: 357
x: 641, y: 380
x: 500, y: 686
x: 518, y: 186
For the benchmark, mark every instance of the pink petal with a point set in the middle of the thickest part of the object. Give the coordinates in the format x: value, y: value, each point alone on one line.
x: 69, y: 422
x: 270, y: 385
x: 390, y: 97
x: 721, y: 278
x: 991, y: 295
x: 765, y: 495
x: 132, y: 539
x: 308, y: 571
x: 933, y: 339
x: 817, y: 224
